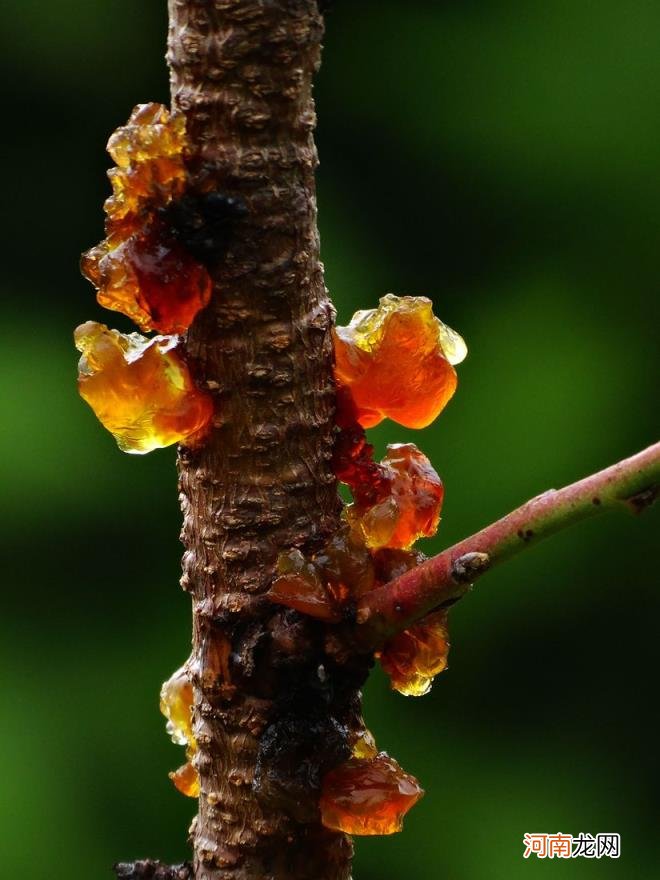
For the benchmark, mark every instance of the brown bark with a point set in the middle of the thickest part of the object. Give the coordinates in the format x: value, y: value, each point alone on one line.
x: 272, y: 711
x: 146, y: 869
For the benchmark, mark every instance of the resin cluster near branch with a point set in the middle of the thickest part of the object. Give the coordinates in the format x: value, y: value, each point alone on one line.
x: 397, y: 362
x: 631, y: 485
x: 396, y: 501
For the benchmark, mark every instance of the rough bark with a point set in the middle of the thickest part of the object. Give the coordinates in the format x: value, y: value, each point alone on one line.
x: 272, y: 712
x: 146, y: 869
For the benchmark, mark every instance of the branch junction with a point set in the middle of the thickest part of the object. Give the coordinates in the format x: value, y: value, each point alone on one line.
x: 633, y: 483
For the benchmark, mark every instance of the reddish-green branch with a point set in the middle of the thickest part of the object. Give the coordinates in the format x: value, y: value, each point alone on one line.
x: 633, y: 483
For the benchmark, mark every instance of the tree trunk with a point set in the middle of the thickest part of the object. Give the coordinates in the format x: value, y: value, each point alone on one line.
x: 272, y: 711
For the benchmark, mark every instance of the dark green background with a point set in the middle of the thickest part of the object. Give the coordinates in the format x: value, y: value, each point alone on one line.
x: 500, y: 157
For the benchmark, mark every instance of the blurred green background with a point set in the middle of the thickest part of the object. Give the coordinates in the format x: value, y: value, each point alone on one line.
x: 500, y: 157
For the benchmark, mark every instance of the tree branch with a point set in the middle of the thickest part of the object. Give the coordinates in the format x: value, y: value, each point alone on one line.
x: 266, y: 728
x: 633, y: 483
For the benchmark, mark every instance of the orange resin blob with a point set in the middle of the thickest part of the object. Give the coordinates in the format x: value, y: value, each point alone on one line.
x: 320, y: 586
x: 411, y: 509
x: 186, y: 780
x: 397, y: 362
x: 368, y: 796
x: 298, y: 585
x: 176, y: 701
x: 140, y: 269
x: 140, y: 389
x: 413, y: 657
x: 153, y: 280
x: 150, y: 172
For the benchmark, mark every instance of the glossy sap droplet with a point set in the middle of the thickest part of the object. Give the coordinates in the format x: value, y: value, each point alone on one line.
x: 176, y: 701
x: 452, y: 344
x: 186, y: 780
x: 411, y: 508
x: 396, y: 361
x: 368, y: 796
x: 140, y: 389
x: 413, y: 658
x: 364, y: 745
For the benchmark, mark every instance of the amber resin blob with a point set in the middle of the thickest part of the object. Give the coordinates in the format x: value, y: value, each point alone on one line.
x: 409, y: 504
x: 140, y: 269
x: 176, y: 701
x: 414, y: 657
x: 140, y: 389
x: 395, y: 361
x: 366, y: 796
x: 323, y: 585
x: 398, y: 362
x: 150, y: 278
x: 150, y: 171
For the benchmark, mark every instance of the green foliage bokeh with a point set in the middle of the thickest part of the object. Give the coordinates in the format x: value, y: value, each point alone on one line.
x: 498, y: 156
